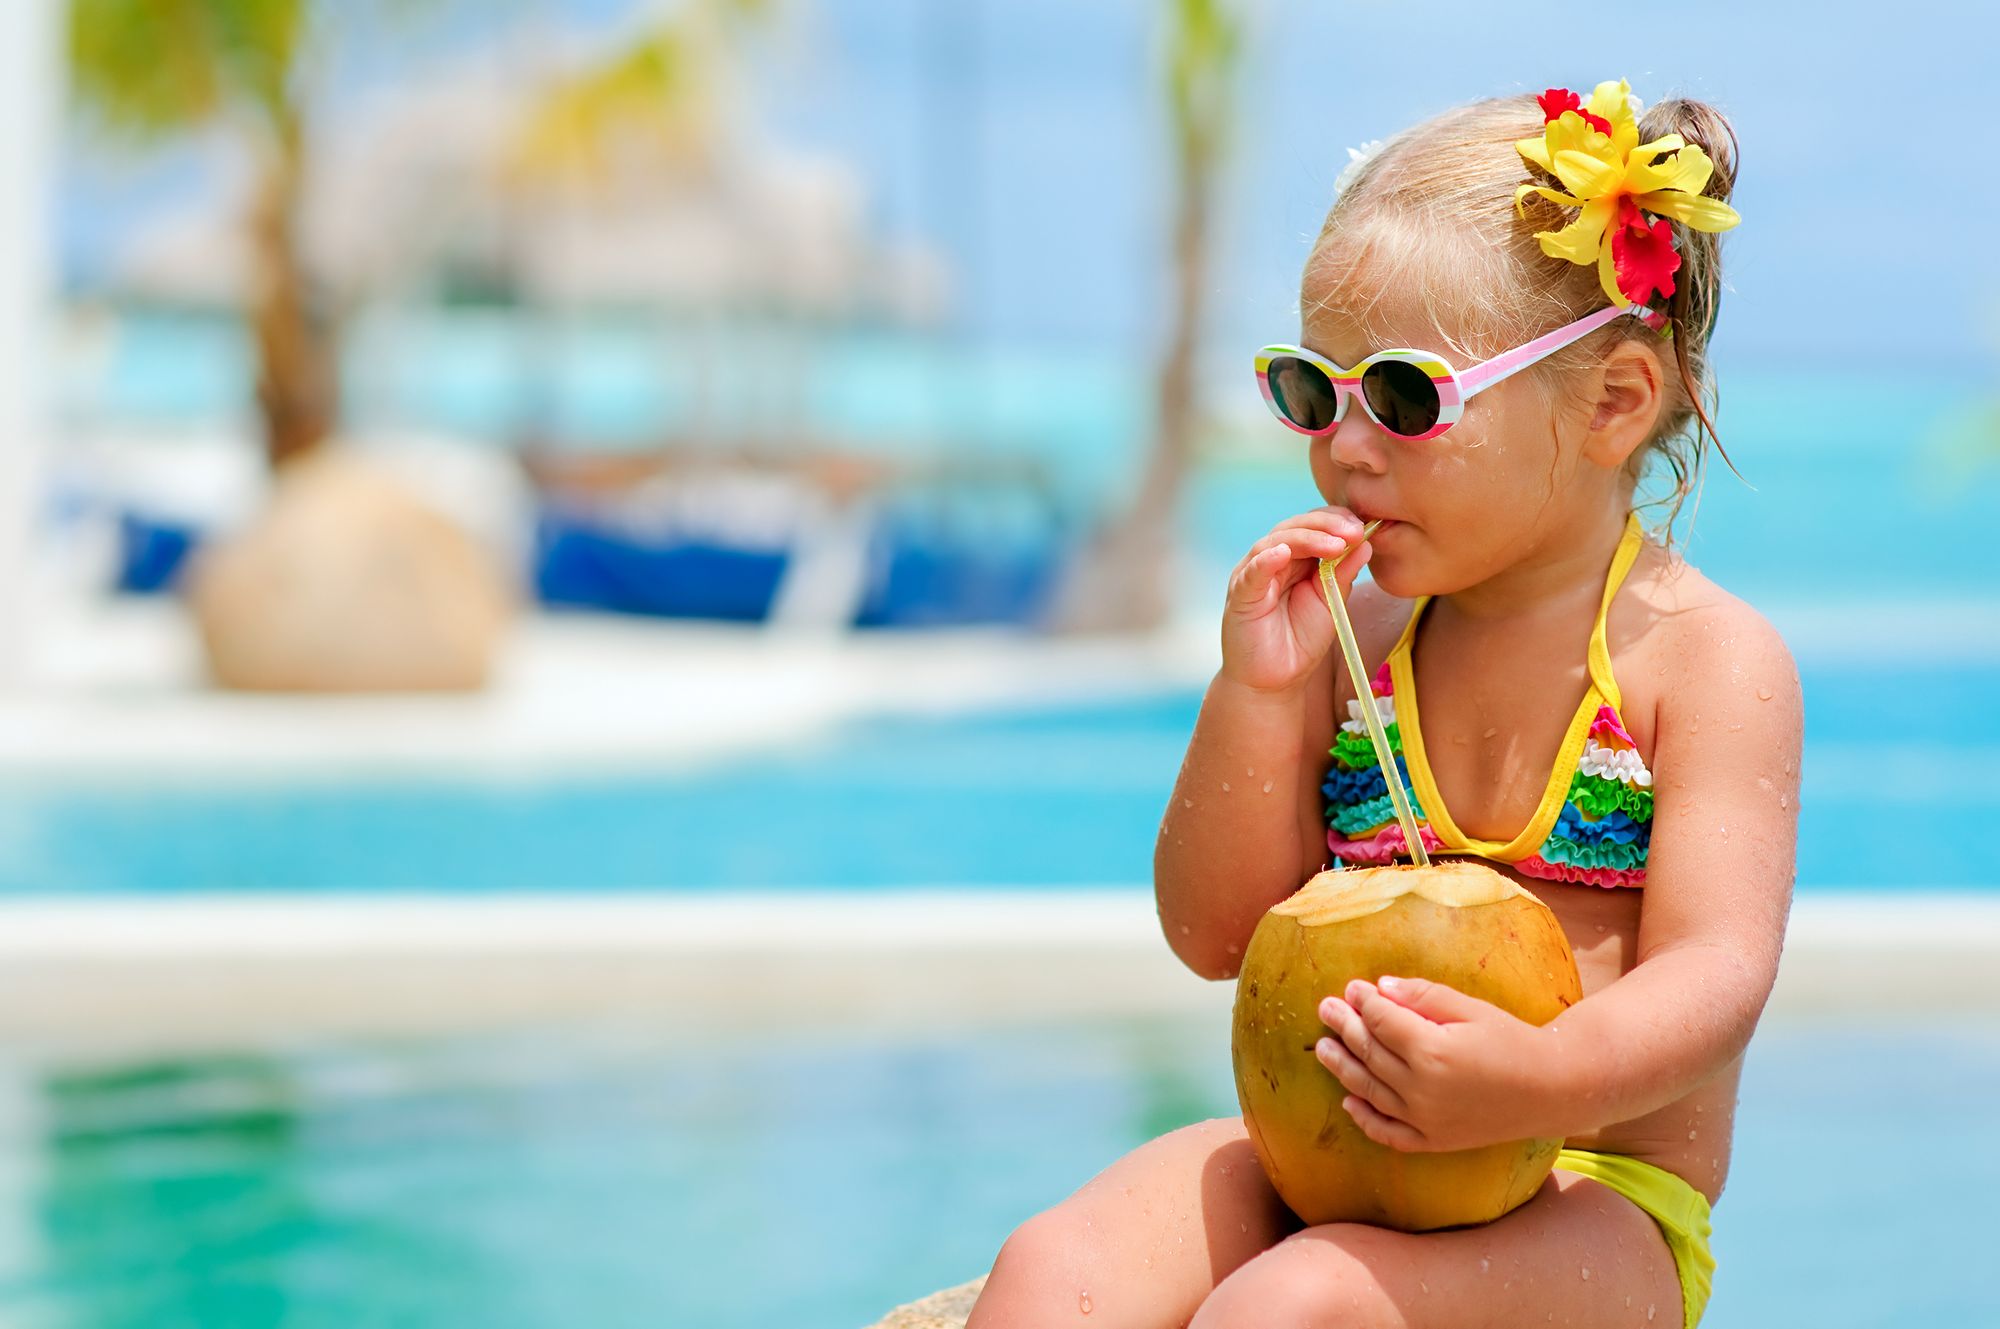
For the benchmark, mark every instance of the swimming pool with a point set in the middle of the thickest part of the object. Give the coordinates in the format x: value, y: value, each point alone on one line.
x: 816, y: 1180
x: 900, y: 801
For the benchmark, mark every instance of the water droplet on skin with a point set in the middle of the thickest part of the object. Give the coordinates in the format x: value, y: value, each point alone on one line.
x: 1267, y: 786
x: 1225, y: 786
x: 1651, y: 1311
x: 1490, y: 733
x: 1586, y: 1273
x: 1083, y: 1303
x: 1187, y: 802
x: 1600, y: 927
x: 1763, y: 694
x: 1249, y: 772
x: 1423, y: 1285
x: 1232, y: 948
x: 1783, y: 802
x: 1184, y: 929
x: 1484, y: 1265
x: 1690, y: 1135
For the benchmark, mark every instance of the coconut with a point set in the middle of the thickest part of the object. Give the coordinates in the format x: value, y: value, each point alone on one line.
x: 1459, y: 923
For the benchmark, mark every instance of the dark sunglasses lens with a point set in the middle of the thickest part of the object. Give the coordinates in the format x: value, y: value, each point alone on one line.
x: 1402, y: 396
x: 1303, y: 392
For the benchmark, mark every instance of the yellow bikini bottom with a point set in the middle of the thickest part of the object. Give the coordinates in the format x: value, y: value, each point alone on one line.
x: 1681, y: 1211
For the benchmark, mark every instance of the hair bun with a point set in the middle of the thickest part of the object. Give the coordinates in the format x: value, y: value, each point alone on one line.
x: 1703, y: 125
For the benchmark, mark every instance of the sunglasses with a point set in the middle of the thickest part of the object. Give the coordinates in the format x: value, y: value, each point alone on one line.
x: 1412, y: 394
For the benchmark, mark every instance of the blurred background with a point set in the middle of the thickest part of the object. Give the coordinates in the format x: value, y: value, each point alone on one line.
x: 599, y: 600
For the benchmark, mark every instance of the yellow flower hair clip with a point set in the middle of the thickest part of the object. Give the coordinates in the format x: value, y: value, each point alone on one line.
x: 1595, y: 152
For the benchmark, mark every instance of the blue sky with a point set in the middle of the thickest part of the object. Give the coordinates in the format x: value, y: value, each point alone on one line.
x: 1024, y: 136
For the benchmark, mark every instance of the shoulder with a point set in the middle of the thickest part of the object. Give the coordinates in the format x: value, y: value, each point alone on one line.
x: 1717, y: 666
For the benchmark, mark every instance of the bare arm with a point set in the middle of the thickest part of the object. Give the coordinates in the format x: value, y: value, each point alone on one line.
x: 1230, y: 844
x: 1224, y: 857
x: 1719, y: 883
x: 1234, y: 839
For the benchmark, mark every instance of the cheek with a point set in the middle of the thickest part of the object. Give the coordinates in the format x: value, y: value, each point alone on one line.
x: 1326, y: 476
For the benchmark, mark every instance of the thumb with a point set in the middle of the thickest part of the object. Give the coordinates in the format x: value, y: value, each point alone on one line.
x: 1432, y: 1000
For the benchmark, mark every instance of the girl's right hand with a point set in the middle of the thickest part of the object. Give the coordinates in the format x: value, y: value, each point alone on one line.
x: 1275, y: 627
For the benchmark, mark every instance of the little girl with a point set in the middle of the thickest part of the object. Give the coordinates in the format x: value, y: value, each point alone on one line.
x: 1598, y: 720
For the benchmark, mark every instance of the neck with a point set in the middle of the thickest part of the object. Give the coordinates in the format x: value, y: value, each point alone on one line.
x: 1562, y: 567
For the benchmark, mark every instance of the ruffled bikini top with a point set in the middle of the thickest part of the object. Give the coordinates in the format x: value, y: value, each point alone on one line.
x: 1596, y: 815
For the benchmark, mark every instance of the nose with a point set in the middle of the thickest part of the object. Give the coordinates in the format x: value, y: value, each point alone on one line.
x: 1357, y: 442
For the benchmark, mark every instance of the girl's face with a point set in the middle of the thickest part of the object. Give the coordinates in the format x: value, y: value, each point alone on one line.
x: 1464, y: 505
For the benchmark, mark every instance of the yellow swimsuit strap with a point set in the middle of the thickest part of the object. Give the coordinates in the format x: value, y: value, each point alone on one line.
x: 1603, y: 689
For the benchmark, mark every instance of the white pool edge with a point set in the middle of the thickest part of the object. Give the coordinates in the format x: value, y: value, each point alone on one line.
x: 123, y: 975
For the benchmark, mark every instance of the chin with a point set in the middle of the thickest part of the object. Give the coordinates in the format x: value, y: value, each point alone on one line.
x: 1393, y: 575
x: 1395, y: 572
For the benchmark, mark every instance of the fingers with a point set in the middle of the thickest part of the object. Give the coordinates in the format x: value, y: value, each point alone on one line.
x: 1289, y: 553
x: 1321, y: 533
x: 1349, y: 568
x: 1384, y: 1129
x: 1250, y: 584
x: 1396, y: 1028
x: 1382, y: 1059
x: 1355, y: 1077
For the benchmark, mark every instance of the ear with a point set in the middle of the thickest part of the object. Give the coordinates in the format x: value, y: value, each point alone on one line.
x: 1629, y: 389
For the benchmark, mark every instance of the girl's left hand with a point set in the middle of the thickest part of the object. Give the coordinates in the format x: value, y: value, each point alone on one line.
x: 1429, y: 1069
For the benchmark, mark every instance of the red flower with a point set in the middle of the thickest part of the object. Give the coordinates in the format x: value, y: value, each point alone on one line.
x: 1557, y: 100
x: 1643, y: 256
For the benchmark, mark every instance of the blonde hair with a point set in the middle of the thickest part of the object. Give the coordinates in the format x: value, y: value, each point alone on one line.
x: 1433, y: 212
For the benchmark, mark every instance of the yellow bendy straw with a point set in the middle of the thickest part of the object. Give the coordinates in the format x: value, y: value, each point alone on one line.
x: 1377, y: 735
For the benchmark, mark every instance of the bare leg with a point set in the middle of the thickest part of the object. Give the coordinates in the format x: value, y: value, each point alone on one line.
x: 1579, y: 1253
x: 1143, y: 1243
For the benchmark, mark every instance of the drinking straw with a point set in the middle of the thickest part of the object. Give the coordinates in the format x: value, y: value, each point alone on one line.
x: 1379, y: 736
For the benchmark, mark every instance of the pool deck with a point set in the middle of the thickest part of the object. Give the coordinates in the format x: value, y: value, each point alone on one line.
x: 114, y: 690
x: 137, y: 975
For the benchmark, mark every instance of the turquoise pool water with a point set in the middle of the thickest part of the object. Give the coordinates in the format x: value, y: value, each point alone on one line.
x: 813, y: 1182
x: 898, y: 802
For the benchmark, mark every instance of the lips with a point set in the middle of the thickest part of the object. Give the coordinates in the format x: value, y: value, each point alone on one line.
x: 1367, y: 517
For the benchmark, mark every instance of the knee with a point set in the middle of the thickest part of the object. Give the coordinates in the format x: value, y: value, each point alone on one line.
x: 1037, y: 1263
x: 1319, y: 1284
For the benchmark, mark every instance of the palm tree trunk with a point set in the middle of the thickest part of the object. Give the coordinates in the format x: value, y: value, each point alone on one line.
x: 296, y: 387
x: 1123, y: 579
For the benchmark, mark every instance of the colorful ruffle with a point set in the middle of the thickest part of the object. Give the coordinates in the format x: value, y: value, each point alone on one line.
x: 1356, y: 724
x: 1382, y: 847
x: 1343, y: 786
x: 1358, y: 750
x: 1359, y: 809
x: 1366, y: 816
x: 1600, y: 837
x: 1534, y: 865
x: 1616, y: 827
